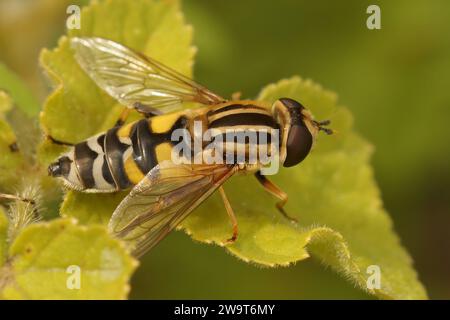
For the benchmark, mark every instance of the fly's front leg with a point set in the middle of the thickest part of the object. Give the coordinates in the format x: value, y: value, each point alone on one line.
x: 230, y: 215
x: 277, y: 192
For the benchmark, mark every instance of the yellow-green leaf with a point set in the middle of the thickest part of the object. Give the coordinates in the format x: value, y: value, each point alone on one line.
x: 19, y: 91
x: 91, y: 208
x: 62, y: 260
x: 11, y: 160
x: 332, y: 193
x: 5, y: 102
x: 334, y: 196
x: 3, y: 237
x: 78, y: 108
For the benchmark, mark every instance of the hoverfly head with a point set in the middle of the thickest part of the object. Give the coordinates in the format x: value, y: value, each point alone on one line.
x: 298, y: 130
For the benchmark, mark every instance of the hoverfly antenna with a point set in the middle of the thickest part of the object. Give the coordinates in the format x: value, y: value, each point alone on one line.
x: 326, y: 130
x: 322, y: 126
x: 324, y: 123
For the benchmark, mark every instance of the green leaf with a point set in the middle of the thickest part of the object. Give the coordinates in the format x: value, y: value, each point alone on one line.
x: 5, y: 103
x: 77, y: 108
x: 155, y: 28
x: 42, y: 260
x: 19, y: 173
x: 18, y: 91
x: 332, y: 193
x: 11, y: 160
x: 334, y: 196
x: 3, y: 237
x: 91, y: 208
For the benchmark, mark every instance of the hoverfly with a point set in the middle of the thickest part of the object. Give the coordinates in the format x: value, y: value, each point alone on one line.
x: 137, y: 156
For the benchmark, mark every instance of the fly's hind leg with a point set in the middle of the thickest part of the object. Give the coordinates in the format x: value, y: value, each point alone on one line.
x: 144, y: 109
x: 277, y: 192
x: 123, y: 117
x: 230, y: 215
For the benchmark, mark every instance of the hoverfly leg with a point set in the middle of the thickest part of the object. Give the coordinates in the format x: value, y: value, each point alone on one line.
x: 58, y: 142
x: 146, y: 110
x: 277, y: 192
x: 230, y: 215
x: 284, y: 213
x: 122, y: 118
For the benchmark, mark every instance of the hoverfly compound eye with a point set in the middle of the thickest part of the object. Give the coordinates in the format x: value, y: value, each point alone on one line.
x: 298, y: 145
x: 299, y: 139
x: 292, y: 105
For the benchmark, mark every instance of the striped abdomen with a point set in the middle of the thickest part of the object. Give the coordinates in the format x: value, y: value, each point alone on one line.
x: 119, y: 158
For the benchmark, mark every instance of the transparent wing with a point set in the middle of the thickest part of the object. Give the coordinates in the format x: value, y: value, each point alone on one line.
x: 162, y: 200
x: 136, y: 80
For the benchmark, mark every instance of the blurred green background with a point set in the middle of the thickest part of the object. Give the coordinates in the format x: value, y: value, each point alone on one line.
x: 396, y: 81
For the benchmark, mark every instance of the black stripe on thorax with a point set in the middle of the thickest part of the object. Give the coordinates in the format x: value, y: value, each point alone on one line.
x: 261, y: 138
x: 84, y: 160
x: 238, y: 151
x: 234, y: 107
x: 114, y: 150
x: 244, y: 118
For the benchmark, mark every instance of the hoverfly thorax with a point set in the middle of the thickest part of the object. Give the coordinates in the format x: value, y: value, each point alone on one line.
x: 298, y: 130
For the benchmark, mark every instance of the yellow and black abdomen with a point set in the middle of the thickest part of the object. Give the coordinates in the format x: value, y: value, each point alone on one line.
x: 119, y: 158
